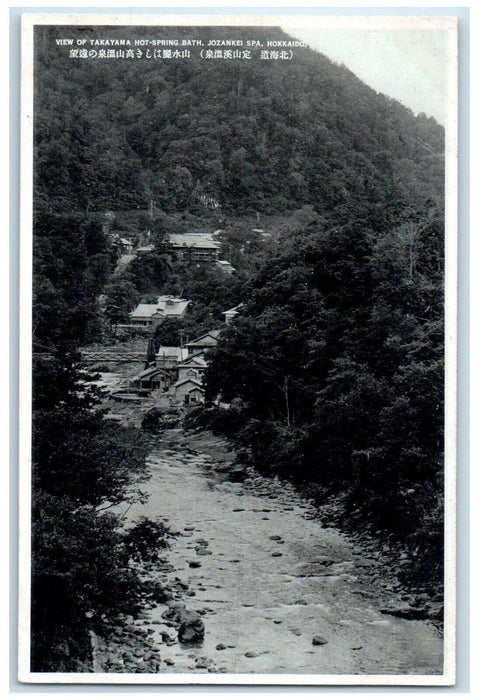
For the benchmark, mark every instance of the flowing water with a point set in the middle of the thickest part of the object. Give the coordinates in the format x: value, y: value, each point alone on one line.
x: 270, y: 578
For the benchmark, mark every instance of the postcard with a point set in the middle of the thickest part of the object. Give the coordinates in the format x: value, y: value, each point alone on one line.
x: 237, y: 349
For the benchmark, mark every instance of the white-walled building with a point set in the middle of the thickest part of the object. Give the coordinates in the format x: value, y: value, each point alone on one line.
x: 150, y: 315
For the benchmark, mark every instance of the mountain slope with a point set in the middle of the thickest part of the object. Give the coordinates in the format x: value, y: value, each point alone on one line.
x: 250, y: 135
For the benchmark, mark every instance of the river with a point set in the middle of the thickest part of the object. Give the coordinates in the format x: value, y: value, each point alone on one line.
x: 268, y: 577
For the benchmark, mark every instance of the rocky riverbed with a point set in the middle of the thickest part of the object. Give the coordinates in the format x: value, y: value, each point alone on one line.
x: 257, y: 584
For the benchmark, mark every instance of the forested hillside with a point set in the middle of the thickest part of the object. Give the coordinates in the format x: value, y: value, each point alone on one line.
x: 253, y: 135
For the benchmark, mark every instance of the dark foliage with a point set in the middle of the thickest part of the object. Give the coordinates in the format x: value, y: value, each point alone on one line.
x: 83, y: 457
x: 121, y: 297
x: 146, y: 539
x: 72, y: 258
x: 157, y: 419
x: 82, y: 465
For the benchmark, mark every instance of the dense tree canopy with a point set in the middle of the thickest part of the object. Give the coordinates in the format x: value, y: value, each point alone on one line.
x: 247, y: 135
x: 72, y: 258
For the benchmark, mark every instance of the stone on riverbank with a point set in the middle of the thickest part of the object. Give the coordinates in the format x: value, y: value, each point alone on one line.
x: 191, y: 627
x: 192, y: 630
x: 406, y: 612
x: 202, y: 662
x: 202, y: 551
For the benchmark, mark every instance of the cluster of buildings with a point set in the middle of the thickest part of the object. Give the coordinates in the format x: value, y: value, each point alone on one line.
x: 193, y: 247
x: 178, y: 370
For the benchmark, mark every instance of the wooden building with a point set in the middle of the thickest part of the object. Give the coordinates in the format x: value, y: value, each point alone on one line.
x: 230, y: 314
x: 193, y: 367
x: 189, y: 391
x: 203, y: 343
x: 194, y: 246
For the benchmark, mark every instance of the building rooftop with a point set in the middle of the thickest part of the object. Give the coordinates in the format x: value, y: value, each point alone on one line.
x: 234, y: 310
x: 190, y: 380
x: 145, y: 248
x: 172, y: 352
x: 196, y: 361
x: 145, y: 311
x: 193, y: 240
x: 165, y: 306
x: 205, y: 340
x: 149, y: 371
x: 171, y: 306
x: 226, y: 265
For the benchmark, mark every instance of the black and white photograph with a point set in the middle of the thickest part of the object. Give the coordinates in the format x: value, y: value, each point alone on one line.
x: 237, y: 349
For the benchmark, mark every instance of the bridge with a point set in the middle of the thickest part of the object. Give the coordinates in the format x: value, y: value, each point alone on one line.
x: 118, y: 354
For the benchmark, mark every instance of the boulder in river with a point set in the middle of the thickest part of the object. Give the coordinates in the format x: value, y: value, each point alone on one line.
x: 202, y: 551
x: 237, y: 474
x: 194, y: 564
x: 202, y: 662
x: 192, y: 628
x: 175, y: 613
